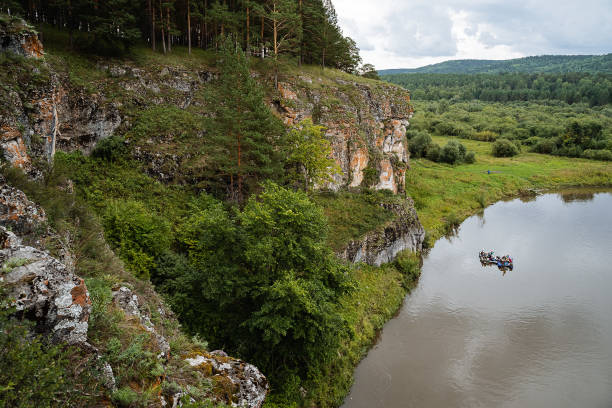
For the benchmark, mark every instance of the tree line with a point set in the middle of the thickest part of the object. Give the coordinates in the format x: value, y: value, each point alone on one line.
x: 306, y: 30
x: 594, y: 89
x: 533, y: 64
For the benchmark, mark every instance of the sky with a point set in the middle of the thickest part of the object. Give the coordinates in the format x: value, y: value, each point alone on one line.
x: 413, y: 33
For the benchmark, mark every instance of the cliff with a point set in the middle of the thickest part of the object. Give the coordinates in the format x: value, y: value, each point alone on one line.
x: 365, y: 121
x: 381, y: 245
x: 51, y: 103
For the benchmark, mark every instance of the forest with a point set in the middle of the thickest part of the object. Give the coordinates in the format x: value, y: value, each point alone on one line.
x: 594, y: 89
x: 306, y: 31
x: 532, y: 65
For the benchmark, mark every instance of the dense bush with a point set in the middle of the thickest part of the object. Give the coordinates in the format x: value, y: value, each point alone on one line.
x: 546, y: 146
x: 418, y: 143
x: 452, y: 152
x: 504, y: 148
x: 485, y: 136
x: 433, y: 152
x: 260, y: 281
x: 31, y: 373
x: 137, y: 234
x: 597, y: 154
x: 111, y: 149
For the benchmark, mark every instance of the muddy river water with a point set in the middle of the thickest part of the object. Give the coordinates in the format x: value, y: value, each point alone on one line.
x: 537, y: 336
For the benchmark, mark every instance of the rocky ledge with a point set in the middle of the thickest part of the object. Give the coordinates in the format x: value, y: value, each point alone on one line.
x: 18, y: 37
x: 382, y: 245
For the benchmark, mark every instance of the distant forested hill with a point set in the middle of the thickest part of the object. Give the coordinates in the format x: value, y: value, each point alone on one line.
x: 539, y: 64
x: 573, y: 87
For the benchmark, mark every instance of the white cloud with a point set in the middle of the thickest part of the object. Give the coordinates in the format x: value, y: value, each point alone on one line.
x: 395, y: 34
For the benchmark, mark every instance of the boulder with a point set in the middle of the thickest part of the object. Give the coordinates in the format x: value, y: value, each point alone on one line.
x: 242, y: 383
x: 43, y: 290
x: 125, y: 299
x: 18, y: 37
x: 18, y: 213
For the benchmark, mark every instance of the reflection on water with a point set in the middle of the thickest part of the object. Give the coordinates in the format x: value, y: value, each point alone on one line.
x: 540, y: 336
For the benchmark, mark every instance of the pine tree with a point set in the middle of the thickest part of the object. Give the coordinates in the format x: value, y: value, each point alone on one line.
x: 246, y: 135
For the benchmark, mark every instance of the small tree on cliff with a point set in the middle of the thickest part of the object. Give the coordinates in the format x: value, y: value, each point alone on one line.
x: 310, y: 155
x: 245, y: 134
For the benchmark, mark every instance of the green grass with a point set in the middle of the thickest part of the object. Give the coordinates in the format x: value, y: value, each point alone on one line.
x: 442, y: 192
x: 352, y: 215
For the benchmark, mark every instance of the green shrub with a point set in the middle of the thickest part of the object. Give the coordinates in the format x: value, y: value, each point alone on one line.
x: 433, y: 152
x: 485, y: 136
x: 125, y: 397
x: 546, y: 146
x: 31, y: 373
x: 409, y: 264
x: 452, y: 222
x: 111, y: 149
x: 470, y: 157
x: 504, y: 148
x: 452, y: 152
x: 370, y: 176
x: 532, y: 141
x: 418, y: 144
x: 139, y: 235
x: 605, y: 155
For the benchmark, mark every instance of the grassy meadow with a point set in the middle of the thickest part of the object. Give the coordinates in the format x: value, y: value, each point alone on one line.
x: 446, y: 194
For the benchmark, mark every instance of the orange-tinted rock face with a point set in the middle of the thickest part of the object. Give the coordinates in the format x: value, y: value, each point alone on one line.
x: 15, y: 151
x: 386, y: 177
x: 361, y: 120
x: 20, y: 38
x: 32, y: 47
x: 359, y: 161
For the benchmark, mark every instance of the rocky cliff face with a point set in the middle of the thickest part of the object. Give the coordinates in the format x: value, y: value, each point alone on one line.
x: 366, y: 124
x: 44, y: 112
x: 382, y: 245
x: 19, y: 38
x: 40, y: 111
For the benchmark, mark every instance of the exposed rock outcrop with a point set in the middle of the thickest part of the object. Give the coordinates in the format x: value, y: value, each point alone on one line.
x: 17, y: 212
x: 366, y: 124
x: 41, y: 112
x: 128, y: 302
x: 382, y: 245
x: 242, y: 383
x: 18, y: 37
x: 44, y: 290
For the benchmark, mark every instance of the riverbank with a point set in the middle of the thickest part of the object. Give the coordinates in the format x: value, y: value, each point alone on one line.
x: 445, y: 195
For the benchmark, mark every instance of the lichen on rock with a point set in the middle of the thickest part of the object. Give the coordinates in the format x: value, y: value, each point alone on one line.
x: 43, y: 289
x: 18, y: 37
x: 240, y: 384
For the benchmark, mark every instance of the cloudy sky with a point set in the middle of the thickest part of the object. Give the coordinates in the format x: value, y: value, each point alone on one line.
x: 413, y: 33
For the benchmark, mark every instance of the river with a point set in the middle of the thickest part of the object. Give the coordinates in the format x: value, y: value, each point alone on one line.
x: 537, y: 336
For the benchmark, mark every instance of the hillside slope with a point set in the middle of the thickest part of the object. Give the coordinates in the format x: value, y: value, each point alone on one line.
x: 535, y: 64
x: 117, y: 154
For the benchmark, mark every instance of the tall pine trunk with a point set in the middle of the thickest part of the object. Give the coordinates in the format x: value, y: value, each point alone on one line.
x: 168, y: 29
x: 161, y: 25
x: 239, y: 175
x: 152, y: 22
x: 188, y: 27
x: 263, y: 48
x: 248, y: 19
